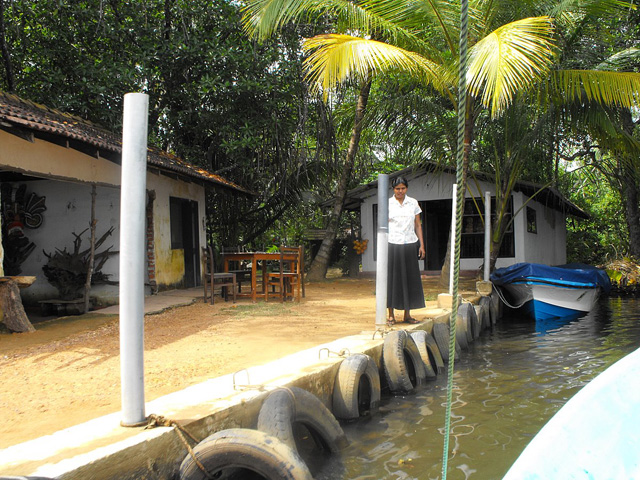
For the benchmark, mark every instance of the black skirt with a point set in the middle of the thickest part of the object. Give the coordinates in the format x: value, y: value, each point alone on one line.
x: 404, y: 285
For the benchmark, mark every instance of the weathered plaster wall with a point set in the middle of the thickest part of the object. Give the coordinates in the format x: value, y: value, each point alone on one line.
x: 68, y: 200
x: 170, y: 263
x: 69, y: 211
x: 44, y: 159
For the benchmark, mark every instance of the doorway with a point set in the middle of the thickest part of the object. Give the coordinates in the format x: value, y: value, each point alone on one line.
x: 436, y: 223
x: 184, y: 235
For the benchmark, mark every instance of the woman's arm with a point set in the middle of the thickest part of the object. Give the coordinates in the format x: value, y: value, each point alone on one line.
x: 421, y: 252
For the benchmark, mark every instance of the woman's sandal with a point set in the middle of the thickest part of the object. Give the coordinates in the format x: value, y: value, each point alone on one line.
x: 412, y: 321
x: 391, y: 322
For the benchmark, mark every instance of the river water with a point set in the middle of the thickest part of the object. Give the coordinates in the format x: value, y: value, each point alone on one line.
x: 506, y: 386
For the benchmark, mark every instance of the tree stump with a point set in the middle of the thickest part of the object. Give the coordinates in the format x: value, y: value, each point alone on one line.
x: 13, y: 314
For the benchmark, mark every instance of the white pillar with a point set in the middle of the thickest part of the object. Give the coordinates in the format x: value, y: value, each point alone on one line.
x: 454, y: 204
x: 382, y: 250
x: 487, y: 234
x: 132, y: 249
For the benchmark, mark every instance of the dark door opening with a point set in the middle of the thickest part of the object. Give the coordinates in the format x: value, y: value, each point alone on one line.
x: 184, y: 235
x: 436, y: 223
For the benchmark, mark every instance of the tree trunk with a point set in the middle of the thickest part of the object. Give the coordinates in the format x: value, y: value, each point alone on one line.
x: 468, y: 139
x: 632, y: 214
x: 14, y: 316
x: 320, y: 264
x: 4, y: 49
x: 630, y: 194
x: 92, y: 249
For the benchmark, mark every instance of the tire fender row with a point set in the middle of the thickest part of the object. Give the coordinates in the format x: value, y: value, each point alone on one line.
x: 408, y: 360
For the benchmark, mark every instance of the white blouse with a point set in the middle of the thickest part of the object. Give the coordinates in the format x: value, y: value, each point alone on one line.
x: 402, y: 220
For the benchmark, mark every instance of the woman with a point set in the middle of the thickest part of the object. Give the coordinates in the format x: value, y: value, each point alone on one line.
x: 404, y: 286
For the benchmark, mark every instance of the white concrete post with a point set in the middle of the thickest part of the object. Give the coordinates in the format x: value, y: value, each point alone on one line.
x: 454, y: 204
x: 487, y: 234
x: 132, y: 245
x: 382, y: 250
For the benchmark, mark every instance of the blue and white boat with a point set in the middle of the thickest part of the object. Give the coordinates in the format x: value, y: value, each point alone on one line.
x: 544, y: 292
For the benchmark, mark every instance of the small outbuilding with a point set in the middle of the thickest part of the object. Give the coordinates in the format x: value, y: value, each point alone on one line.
x: 538, y: 232
x: 49, y: 164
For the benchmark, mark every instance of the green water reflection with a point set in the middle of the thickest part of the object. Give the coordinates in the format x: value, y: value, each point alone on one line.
x: 507, y: 385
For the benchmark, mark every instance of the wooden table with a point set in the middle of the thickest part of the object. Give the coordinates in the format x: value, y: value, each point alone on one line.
x: 255, y: 258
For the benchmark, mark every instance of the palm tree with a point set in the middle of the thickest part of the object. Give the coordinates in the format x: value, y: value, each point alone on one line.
x: 507, y: 55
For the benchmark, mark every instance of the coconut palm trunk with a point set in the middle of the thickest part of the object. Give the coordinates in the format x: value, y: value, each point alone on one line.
x: 320, y: 264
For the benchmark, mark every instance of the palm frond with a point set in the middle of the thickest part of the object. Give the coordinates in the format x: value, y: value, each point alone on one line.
x: 622, y: 60
x: 571, y: 14
x: 395, y: 20
x: 509, y: 60
x: 335, y: 58
x: 581, y: 8
x: 262, y: 18
x: 604, y: 87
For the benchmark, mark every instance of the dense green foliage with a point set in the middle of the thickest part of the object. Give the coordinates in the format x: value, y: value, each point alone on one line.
x: 217, y: 99
x: 604, y: 236
x: 242, y: 109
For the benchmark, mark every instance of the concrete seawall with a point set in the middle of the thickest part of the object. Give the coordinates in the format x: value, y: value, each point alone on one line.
x: 101, y: 449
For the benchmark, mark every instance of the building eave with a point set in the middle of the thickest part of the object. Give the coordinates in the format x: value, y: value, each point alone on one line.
x: 548, y: 196
x: 30, y: 120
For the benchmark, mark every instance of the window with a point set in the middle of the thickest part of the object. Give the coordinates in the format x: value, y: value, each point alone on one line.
x: 175, y: 219
x: 472, y: 238
x: 532, y: 225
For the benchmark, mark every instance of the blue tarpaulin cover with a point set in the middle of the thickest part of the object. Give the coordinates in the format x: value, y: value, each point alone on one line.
x: 571, y: 274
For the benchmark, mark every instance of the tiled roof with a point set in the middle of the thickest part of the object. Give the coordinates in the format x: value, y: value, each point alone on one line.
x: 39, y: 118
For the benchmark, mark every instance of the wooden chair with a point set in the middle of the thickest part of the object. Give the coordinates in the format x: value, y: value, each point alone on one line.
x: 288, y: 279
x: 243, y: 272
x: 211, y: 279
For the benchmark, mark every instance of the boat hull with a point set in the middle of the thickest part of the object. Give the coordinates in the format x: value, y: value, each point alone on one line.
x: 544, y: 302
x: 594, y: 435
x: 545, y: 292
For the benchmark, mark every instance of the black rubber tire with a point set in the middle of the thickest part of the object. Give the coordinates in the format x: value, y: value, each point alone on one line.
x: 433, y: 347
x: 494, y: 308
x: 487, y: 315
x: 463, y: 329
x: 441, y: 335
x: 403, y: 366
x: 426, y: 353
x: 245, y: 449
x: 485, y: 303
x: 286, y: 406
x: 356, y: 389
x: 469, y: 311
x: 479, y: 319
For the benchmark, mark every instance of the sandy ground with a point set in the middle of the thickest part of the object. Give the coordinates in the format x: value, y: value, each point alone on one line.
x: 68, y: 371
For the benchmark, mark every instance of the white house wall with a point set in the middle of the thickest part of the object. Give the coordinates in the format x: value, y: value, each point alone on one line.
x: 69, y: 211
x: 67, y: 176
x: 547, y: 246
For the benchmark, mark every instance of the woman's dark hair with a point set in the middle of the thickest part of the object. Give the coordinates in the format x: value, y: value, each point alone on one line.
x: 399, y: 181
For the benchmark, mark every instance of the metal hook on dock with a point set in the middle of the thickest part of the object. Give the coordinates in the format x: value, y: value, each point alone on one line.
x: 382, y: 331
x: 342, y: 353
x: 237, y: 386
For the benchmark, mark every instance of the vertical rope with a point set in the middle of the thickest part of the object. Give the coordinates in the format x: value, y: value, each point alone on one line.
x: 461, y: 181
